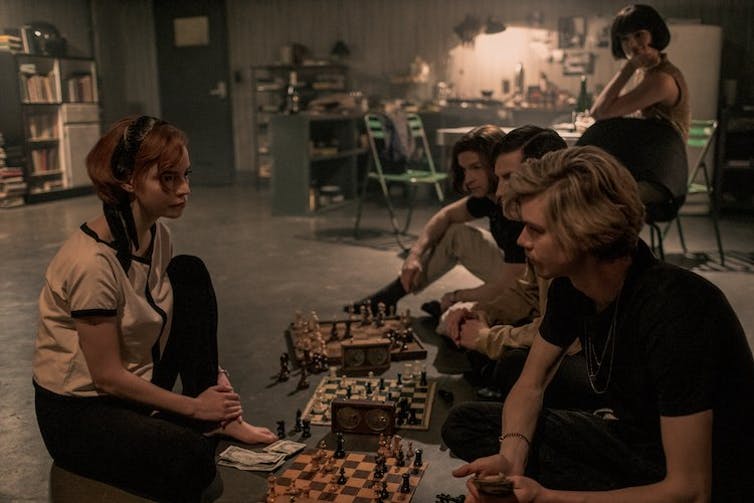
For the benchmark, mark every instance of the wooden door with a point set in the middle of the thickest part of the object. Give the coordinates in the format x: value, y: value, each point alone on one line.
x: 194, y: 77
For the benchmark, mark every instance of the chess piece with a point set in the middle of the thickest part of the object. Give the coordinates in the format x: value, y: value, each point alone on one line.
x: 285, y: 371
x: 342, y: 477
x: 383, y: 492
x: 399, y: 379
x: 281, y: 429
x: 405, y: 483
x: 347, y: 334
x: 271, y: 488
x: 395, y: 445
x: 297, y: 426
x: 306, y: 428
x: 377, y: 474
x: 408, y: 335
x: 400, y: 459
x: 418, y: 458
x: 348, y: 392
x: 410, y: 451
x: 381, y: 444
x: 303, y: 383
x: 340, y: 451
x: 369, y: 388
x: 380, y: 321
x: 334, y: 331
x: 423, y: 380
x: 412, y: 419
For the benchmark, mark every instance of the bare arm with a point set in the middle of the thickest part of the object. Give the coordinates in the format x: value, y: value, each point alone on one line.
x: 687, y: 442
x: 431, y: 234
x: 524, y: 402
x: 654, y: 88
x: 98, y: 338
x: 520, y: 412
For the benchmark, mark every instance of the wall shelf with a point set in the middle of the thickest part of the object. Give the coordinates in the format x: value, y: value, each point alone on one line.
x: 299, y: 174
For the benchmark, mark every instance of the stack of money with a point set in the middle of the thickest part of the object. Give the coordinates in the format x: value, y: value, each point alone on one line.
x: 287, y: 447
x: 271, y: 459
x: 244, y: 459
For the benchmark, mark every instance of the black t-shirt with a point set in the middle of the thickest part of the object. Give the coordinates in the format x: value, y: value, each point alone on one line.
x: 504, y: 231
x: 679, y: 349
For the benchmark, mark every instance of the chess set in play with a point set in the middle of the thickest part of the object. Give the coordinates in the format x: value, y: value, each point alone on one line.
x: 306, y: 481
x: 310, y: 337
x: 412, y: 397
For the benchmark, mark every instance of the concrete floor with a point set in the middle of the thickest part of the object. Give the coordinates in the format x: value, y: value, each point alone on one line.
x: 264, y: 268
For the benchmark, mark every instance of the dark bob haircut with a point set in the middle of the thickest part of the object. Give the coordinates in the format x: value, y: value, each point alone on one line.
x: 481, y: 140
x: 633, y: 18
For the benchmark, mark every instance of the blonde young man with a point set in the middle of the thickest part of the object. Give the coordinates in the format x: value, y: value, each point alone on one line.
x: 662, y: 344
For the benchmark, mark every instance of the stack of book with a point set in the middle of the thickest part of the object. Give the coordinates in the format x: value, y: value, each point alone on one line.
x: 80, y: 88
x: 38, y: 88
x: 12, y: 185
x: 11, y: 43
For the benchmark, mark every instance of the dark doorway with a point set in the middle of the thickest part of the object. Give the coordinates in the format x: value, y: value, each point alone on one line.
x: 192, y: 59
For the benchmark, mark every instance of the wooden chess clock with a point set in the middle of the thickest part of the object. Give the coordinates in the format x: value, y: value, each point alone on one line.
x: 363, y: 356
x: 363, y: 416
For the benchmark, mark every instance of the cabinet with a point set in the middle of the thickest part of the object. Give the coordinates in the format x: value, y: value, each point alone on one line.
x: 274, y: 89
x: 316, y: 161
x: 52, y: 110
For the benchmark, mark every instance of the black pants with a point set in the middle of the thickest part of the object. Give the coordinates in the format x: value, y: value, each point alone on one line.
x: 569, y: 388
x: 165, y: 456
x: 571, y: 450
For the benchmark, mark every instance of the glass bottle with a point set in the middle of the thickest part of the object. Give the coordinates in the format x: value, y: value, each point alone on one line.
x: 583, y: 103
x: 292, y: 98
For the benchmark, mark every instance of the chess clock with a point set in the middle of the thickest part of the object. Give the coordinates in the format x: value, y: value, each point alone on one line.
x: 363, y: 356
x: 363, y: 416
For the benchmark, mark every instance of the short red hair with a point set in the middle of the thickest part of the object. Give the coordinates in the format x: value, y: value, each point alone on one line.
x: 162, y: 145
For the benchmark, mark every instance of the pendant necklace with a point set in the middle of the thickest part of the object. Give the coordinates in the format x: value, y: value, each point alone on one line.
x: 595, y: 361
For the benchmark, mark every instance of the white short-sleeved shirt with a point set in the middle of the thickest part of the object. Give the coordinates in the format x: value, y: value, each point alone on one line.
x: 85, y: 278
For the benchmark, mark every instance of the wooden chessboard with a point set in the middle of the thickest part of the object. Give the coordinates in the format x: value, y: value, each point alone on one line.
x: 360, y: 487
x: 414, y: 350
x: 419, y: 397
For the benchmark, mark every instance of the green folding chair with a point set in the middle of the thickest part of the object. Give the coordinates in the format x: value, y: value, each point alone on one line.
x: 701, y: 137
x: 411, y: 173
